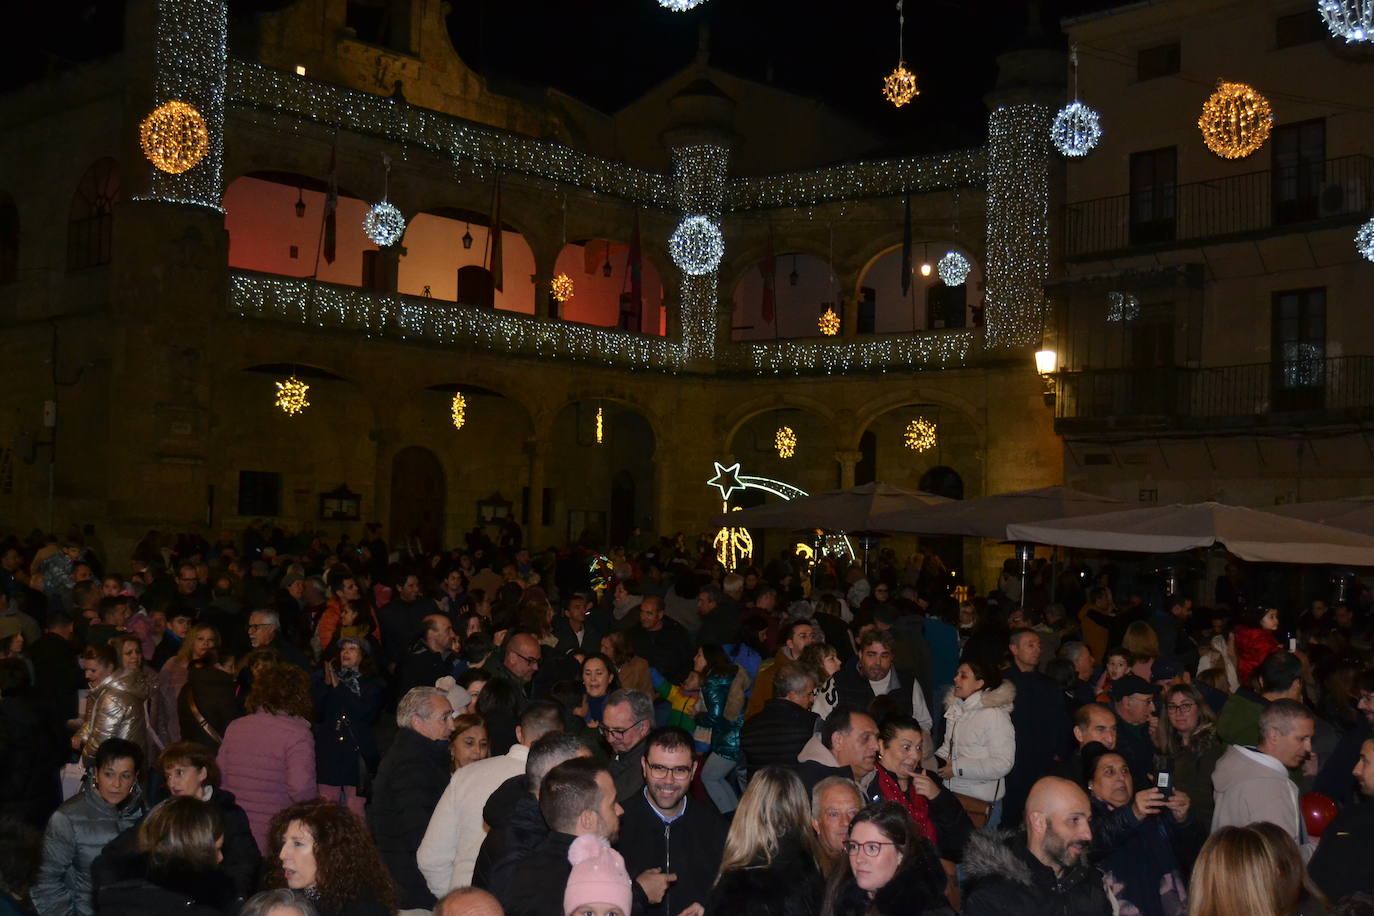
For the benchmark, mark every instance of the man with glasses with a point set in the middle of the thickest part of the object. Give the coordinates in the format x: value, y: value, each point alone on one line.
x: 264, y: 632
x: 1335, y: 780
x: 625, y: 722
x: 662, y: 828
x: 1133, y: 698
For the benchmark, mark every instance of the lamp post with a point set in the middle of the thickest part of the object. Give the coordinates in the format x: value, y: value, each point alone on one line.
x: 1046, y: 363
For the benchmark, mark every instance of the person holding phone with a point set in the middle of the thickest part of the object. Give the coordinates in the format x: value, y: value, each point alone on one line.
x: 1141, y: 838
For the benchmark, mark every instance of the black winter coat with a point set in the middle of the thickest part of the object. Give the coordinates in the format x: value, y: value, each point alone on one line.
x: 1002, y: 878
x: 776, y: 734
x: 855, y: 690
x: 410, y: 780
x: 917, y: 889
x: 790, y: 886
x: 1340, y: 865
x: 421, y: 667
x: 689, y: 847
x: 344, y: 741
x: 30, y: 759
x: 1044, y: 733
x: 402, y: 624
x: 668, y: 649
x: 1144, y: 859
x: 143, y: 890
x: 242, y: 861
x: 516, y: 827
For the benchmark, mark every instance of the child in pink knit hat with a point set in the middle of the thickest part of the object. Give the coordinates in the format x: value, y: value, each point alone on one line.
x: 599, y: 885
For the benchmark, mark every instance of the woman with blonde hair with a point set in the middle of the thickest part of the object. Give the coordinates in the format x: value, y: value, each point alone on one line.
x: 1142, y: 642
x: 1246, y: 871
x: 769, y: 863
x: 199, y: 642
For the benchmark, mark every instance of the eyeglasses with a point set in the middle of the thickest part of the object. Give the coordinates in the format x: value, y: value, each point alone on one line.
x: 526, y: 659
x: 659, y: 770
x: 1181, y: 707
x: 258, y: 626
x: 620, y: 732
x: 870, y: 849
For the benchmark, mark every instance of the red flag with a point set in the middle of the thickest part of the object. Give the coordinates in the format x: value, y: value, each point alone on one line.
x: 636, y: 277
x: 769, y: 269
x: 494, y: 233
x: 331, y: 206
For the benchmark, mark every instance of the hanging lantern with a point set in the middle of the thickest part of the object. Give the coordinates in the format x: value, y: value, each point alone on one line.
x: 953, y: 268
x: 900, y: 86
x: 562, y: 287
x: 1235, y: 120
x: 1076, y: 130
x: 829, y: 323
x: 785, y: 441
x: 459, y: 410
x: 291, y: 396
x: 919, y: 435
x: 174, y: 137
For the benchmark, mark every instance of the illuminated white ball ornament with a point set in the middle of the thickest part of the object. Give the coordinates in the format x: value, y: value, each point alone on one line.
x: 1076, y: 130
x: 696, y: 246
x: 680, y: 6
x: 1364, y: 241
x: 1352, y: 20
x: 384, y: 224
x: 953, y: 268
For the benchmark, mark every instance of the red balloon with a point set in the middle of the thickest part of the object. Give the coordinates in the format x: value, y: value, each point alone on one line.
x: 1317, y: 812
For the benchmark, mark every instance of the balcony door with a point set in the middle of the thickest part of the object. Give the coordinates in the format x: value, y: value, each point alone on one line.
x: 1299, y: 171
x: 1299, y: 349
x: 1154, y: 182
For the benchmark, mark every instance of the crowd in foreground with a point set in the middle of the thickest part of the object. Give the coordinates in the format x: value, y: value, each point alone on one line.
x: 279, y: 726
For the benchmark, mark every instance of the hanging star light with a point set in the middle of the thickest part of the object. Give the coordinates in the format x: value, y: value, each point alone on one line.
x: 562, y: 287
x: 1076, y: 130
x: 291, y: 396
x: 953, y: 268
x: 1364, y: 241
x: 829, y: 323
x: 1352, y: 20
x: 899, y: 87
x: 919, y: 435
x: 174, y: 137
x: 696, y: 246
x: 1235, y: 120
x: 459, y: 410
x: 785, y: 441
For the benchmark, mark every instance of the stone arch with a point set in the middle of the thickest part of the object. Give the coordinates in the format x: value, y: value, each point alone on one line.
x: 736, y: 419
x: 960, y: 440
x: 931, y: 305
x: 887, y: 403
x: 621, y: 397
x: 604, y: 487
x: 90, y: 215
x: 433, y: 251
x: 596, y: 292
x: 797, y: 308
x: 276, y: 224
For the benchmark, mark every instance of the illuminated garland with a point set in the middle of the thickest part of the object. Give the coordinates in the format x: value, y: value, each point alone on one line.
x: 191, y: 55
x: 291, y: 396
x: 1235, y: 120
x: 459, y: 410
x: 699, y: 172
x: 1018, y: 225
x: 785, y: 441
x: 931, y: 350
x: 858, y: 181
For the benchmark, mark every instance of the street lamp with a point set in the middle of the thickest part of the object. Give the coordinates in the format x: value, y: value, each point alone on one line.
x: 1046, y: 362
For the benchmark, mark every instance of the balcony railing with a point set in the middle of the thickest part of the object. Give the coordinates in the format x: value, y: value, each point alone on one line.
x: 1173, y: 396
x: 1253, y: 202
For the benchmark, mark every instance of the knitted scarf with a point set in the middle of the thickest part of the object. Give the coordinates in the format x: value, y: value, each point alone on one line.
x: 915, y: 805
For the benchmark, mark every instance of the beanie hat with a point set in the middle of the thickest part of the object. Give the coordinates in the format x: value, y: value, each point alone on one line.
x: 598, y: 876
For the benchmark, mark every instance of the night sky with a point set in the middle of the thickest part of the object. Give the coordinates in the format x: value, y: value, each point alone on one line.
x: 606, y: 52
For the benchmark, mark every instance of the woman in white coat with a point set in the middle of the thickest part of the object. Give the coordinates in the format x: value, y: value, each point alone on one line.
x: 980, y: 743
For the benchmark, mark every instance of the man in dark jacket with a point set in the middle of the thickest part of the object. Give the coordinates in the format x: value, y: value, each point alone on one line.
x: 57, y: 673
x: 661, y: 641
x: 1039, y: 719
x: 264, y: 632
x: 515, y: 824
x: 580, y: 629
x: 1047, y: 873
x: 778, y: 733
x: 663, y: 828
x: 719, y: 618
x: 1340, y: 865
x: 1334, y: 780
x: 872, y: 675
x: 410, y: 780
x: 431, y: 658
x: 403, y: 621
x: 1133, y: 702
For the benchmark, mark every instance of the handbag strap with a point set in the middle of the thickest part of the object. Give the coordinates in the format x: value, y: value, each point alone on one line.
x: 200, y: 719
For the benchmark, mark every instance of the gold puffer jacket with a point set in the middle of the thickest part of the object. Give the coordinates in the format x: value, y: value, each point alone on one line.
x: 116, y: 710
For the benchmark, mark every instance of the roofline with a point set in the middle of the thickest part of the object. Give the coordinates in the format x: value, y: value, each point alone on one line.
x: 1104, y: 14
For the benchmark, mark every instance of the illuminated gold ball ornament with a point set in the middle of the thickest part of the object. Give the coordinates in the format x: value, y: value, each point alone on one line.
x: 829, y: 323
x: 920, y: 435
x: 562, y: 287
x: 1236, y: 120
x: 291, y: 396
x: 174, y: 137
x: 459, y: 410
x: 785, y: 441
x: 899, y: 87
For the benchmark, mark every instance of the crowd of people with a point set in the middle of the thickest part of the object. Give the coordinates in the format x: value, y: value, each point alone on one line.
x: 280, y: 726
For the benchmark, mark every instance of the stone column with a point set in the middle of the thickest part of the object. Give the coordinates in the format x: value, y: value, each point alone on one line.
x: 537, y: 447
x: 848, y: 462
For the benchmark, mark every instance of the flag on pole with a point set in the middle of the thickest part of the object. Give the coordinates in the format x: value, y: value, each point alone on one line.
x: 636, y: 277
x: 494, y: 234
x: 331, y: 207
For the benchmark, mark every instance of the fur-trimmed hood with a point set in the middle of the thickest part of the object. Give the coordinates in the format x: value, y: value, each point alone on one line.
x: 1001, y: 875
x: 1004, y: 694
x: 991, y: 853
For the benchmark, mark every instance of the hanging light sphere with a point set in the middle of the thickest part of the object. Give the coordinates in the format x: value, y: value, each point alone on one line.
x: 1352, y: 20
x: 696, y: 245
x: 1076, y: 130
x: 680, y: 6
x: 1364, y: 241
x: 459, y: 410
x: 174, y: 137
x: 919, y: 435
x: 829, y: 323
x: 291, y: 396
x: 900, y: 86
x: 562, y: 287
x: 1235, y: 121
x: 384, y: 224
x: 785, y: 441
x: 953, y: 268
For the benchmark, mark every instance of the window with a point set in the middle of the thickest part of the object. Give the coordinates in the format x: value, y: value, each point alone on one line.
x: 1299, y: 171
x: 9, y: 239
x: 1299, y: 349
x: 1154, y: 175
x: 1161, y: 60
x: 1299, y: 28
x: 259, y: 493
x: 90, y: 218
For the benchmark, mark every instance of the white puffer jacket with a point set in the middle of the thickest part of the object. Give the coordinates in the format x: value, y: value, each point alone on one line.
x: 980, y: 743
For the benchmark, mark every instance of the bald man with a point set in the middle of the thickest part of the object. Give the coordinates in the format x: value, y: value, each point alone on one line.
x: 1049, y: 872
x: 468, y: 901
